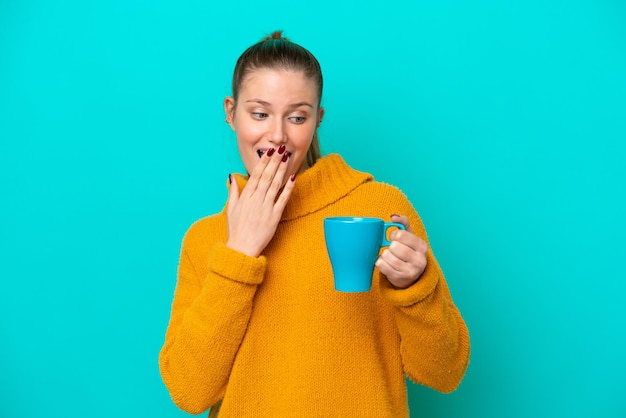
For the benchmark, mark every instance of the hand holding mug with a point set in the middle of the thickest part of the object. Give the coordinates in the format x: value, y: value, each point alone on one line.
x: 404, y: 261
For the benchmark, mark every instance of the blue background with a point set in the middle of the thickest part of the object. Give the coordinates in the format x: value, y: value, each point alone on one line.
x: 504, y: 122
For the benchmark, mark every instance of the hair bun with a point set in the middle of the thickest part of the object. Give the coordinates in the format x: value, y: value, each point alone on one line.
x: 276, y: 35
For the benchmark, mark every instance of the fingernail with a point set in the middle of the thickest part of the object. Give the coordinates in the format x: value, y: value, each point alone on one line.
x: 270, y: 152
x: 394, y: 214
x: 293, y: 177
x: 230, y: 179
x: 281, y: 149
x: 285, y: 157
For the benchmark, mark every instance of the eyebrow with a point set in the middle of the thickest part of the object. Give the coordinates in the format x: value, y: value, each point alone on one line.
x: 293, y: 105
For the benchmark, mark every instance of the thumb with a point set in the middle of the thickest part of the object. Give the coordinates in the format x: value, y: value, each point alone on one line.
x: 402, y: 220
x: 233, y: 193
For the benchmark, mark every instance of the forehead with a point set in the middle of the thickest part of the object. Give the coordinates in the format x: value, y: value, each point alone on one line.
x: 278, y: 83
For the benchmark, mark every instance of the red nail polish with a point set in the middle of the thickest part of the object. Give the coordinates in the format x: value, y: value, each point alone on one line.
x: 293, y: 177
x: 270, y: 152
x: 281, y: 149
x: 285, y: 157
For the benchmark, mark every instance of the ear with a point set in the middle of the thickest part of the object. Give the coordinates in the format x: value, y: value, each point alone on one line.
x: 320, y: 116
x: 229, y: 110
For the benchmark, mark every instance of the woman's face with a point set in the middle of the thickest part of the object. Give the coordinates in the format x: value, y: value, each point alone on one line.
x: 275, y: 107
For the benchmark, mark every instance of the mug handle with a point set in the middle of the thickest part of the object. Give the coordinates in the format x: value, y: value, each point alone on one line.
x: 388, y: 225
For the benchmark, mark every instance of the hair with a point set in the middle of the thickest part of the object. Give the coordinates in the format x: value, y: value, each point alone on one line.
x: 277, y: 52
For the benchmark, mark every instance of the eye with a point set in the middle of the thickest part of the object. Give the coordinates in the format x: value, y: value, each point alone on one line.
x: 259, y: 115
x: 297, y: 119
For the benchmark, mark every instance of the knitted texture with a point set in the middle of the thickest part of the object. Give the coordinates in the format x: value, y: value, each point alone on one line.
x: 271, y: 337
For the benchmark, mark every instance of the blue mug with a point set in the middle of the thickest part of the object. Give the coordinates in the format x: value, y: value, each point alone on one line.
x: 353, y: 244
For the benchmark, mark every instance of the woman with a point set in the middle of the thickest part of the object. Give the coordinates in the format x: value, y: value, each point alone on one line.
x: 256, y: 328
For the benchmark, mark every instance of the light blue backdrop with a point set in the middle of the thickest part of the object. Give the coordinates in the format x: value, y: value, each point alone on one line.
x: 504, y: 122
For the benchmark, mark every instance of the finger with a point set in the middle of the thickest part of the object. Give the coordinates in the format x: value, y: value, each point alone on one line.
x: 257, y: 173
x: 281, y: 202
x: 409, y: 239
x: 401, y: 251
x: 279, y: 177
x: 233, y: 193
x: 394, y: 263
x: 402, y: 220
x: 388, y: 270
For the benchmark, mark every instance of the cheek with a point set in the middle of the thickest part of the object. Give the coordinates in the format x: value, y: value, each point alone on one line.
x: 301, y: 138
x: 246, y: 133
x: 246, y: 128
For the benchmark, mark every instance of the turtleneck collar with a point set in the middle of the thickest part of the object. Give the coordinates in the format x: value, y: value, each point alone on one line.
x: 326, y: 182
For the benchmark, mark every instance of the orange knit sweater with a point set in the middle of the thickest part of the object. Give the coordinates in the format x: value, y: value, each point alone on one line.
x: 272, y: 338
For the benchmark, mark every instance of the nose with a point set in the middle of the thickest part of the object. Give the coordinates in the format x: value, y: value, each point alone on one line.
x: 277, y: 132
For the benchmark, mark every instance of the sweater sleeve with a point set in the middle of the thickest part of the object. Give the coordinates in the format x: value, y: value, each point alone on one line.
x: 208, y: 322
x: 434, y: 338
